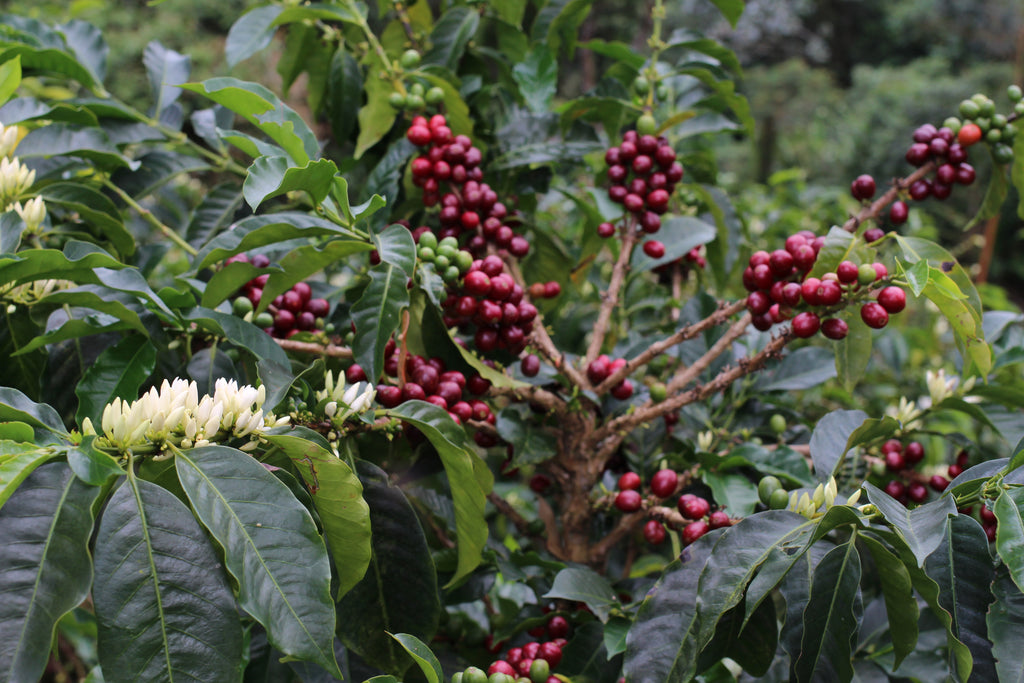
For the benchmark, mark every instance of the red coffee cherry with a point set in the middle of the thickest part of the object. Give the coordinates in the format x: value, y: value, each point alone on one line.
x: 664, y: 483
x: 892, y: 299
x: 874, y: 315
x: 654, y: 532
x: 629, y: 481
x: 628, y: 501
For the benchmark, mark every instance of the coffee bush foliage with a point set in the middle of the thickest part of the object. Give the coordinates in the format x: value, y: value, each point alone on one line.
x: 454, y: 374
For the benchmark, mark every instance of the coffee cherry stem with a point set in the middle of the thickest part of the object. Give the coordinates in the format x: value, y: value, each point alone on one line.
x: 875, y: 208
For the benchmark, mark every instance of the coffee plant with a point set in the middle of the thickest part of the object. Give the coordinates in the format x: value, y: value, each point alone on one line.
x: 405, y: 388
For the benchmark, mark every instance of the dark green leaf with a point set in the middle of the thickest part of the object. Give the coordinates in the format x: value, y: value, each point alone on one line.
x: 853, y: 351
x: 802, y: 369
x: 61, y: 139
x: 165, y: 69
x: 17, y: 407
x: 86, y: 43
x: 422, y: 655
x: 240, y: 333
x: 679, y: 234
x: 831, y: 617
x: 1017, y: 172
x: 338, y: 497
x: 730, y: 9
x: 1009, y: 509
x: 119, y: 372
x: 96, y: 209
x: 586, y: 586
x: 377, y: 315
x: 49, y: 60
x: 451, y: 34
x: 214, y: 213
x: 45, y: 565
x: 532, y: 442
x: 377, y: 115
x: 263, y: 529
x: 468, y: 476
x: 399, y: 592
x: 617, y: 50
x: 385, y: 177
x: 900, y: 603
x: 829, y: 441
x: 995, y: 195
x: 962, y: 568
x: 544, y: 153
x: 921, y: 528
x: 272, y: 176
x: 537, y: 77
x: 735, y: 492
x: 156, y: 169
x: 92, y: 465
x: 344, y: 94
x: 164, y: 607
x: 252, y: 32
x: 565, y: 26
x: 1005, y: 623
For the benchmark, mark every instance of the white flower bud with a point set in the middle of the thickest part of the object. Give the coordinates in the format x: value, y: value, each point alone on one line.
x: 8, y: 140
x: 33, y: 213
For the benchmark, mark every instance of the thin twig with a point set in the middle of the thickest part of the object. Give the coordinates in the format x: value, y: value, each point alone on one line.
x: 873, y: 209
x: 329, y: 350
x: 610, y: 298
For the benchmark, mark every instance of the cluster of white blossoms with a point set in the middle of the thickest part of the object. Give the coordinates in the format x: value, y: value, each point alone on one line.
x: 175, y: 415
x: 341, y: 403
x: 15, y: 180
x: 812, y: 505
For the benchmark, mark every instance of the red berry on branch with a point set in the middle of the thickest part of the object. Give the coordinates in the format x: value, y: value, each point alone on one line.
x: 894, y: 461
x: 969, y: 134
x: 558, y: 627
x: 892, y: 299
x: 917, y: 492
x: 938, y: 482
x: 719, y: 519
x: 863, y: 187
x: 847, y: 272
x: 629, y: 481
x: 664, y: 483
x: 692, y: 506
x: 419, y: 135
x: 693, y: 531
x: 628, y: 500
x: 623, y: 390
x: 654, y: 249
x: 874, y: 316
x: 806, y: 324
x: 835, y: 328
x: 898, y: 212
x: 896, y: 489
x: 530, y: 365
x: 654, y: 532
x: 605, y: 230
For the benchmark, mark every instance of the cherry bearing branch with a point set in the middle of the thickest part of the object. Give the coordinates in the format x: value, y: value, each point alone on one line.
x: 873, y: 209
x: 611, y: 297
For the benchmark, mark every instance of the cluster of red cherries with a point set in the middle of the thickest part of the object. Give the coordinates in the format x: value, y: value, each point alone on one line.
x: 778, y: 283
x: 664, y: 484
x: 289, y: 313
x: 450, y: 176
x: 602, y: 367
x: 428, y: 379
x: 534, y: 660
x: 643, y: 172
x: 901, y: 458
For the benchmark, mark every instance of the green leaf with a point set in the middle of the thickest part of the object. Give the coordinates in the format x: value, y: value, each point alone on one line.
x: 951, y: 289
x: 241, y: 333
x: 164, y: 608
x: 838, y: 247
x: 831, y: 617
x: 344, y: 94
x: 338, y: 497
x: 532, y: 442
x: 157, y: 168
x: 377, y: 115
x: 1017, y: 171
x: 62, y: 139
x: 962, y: 568
x: 86, y: 43
x: 802, y: 369
x: 95, y: 208
x: 537, y: 77
x: 451, y: 34
x: 263, y: 529
x: 119, y: 372
x: 17, y: 462
x: 679, y: 234
x: 45, y: 565
x: 456, y: 111
x: 263, y: 109
x: 730, y: 9
x: 300, y: 263
x: 995, y: 195
x: 900, y: 603
x: 735, y: 492
x: 166, y: 70
x: 214, y: 213
x: 587, y: 586
x: 853, y: 352
x: 659, y: 646
x: 830, y: 440
x: 92, y: 465
x: 921, y: 528
x: 49, y: 60
x: 1005, y: 623
x: 399, y: 592
x: 10, y: 78
x: 422, y: 655
x: 468, y: 477
x: 1009, y: 509
x: 252, y: 32
x: 272, y: 176
x: 17, y: 407
x: 565, y: 26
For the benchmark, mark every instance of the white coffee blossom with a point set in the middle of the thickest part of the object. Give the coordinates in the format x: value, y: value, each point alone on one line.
x: 176, y: 415
x: 704, y: 440
x: 15, y: 179
x: 940, y: 388
x: 815, y: 504
x: 33, y: 213
x: 8, y: 140
x: 341, y: 403
x: 905, y: 413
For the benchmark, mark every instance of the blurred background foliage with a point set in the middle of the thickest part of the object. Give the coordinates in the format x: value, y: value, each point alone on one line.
x: 836, y: 88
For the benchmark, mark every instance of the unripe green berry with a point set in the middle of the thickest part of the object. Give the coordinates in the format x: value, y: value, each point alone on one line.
x: 1018, y: 109
x: 953, y: 123
x: 984, y: 123
x: 767, y: 487
x: 993, y: 136
x: 866, y: 274
x: 1014, y: 93
x: 414, y: 101
x: 446, y: 250
x: 641, y: 85
x: 779, y: 499
x: 428, y: 239
x: 427, y: 254
x: 999, y: 121
x: 646, y: 125
x: 434, y: 96
x: 878, y: 468
x: 659, y: 392
x: 410, y: 59
x: 1003, y: 154
x: 441, y: 262
x: 264, y: 319
x: 777, y: 423
x: 661, y: 91
x: 539, y: 671
x: 464, y: 260
x: 969, y: 109
x: 397, y: 100
x: 451, y: 274
x: 457, y: 677
x: 450, y: 242
x: 241, y: 306
x: 416, y: 89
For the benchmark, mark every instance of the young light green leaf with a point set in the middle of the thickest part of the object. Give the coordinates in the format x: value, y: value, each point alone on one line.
x: 10, y: 78
x: 17, y: 407
x: 92, y: 465
x: 164, y: 607
x: 377, y: 115
x: 46, y: 568
x: 251, y: 32
x: 422, y: 655
x: 272, y: 176
x: 1009, y: 510
x: 18, y: 461
x: 263, y: 528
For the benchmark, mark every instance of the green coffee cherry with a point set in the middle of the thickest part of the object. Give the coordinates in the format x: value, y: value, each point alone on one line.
x: 410, y: 59
x: 241, y: 306
x: 777, y: 423
x: 641, y: 85
x: 457, y: 677
x: 427, y: 254
x: 1014, y: 93
x: 969, y: 109
x: 659, y: 392
x: 1018, y: 109
x: 464, y: 260
x: 441, y: 262
x: 434, y: 96
x: 539, y: 671
x: 1003, y: 154
x: 451, y: 274
x: 416, y: 89
x: 414, y: 101
x: 428, y: 239
x: 767, y: 487
x: 779, y: 499
x: 999, y: 121
x: 264, y: 319
x: 450, y: 242
x: 646, y: 125
x: 993, y: 136
x: 866, y: 274
x: 474, y: 675
x: 397, y: 100
x: 953, y: 123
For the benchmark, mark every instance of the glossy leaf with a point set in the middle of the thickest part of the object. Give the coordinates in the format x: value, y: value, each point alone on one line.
x: 921, y: 528
x: 451, y: 34
x: 422, y: 655
x: 239, y: 332
x: 468, y: 477
x: 272, y: 176
x: 166, y: 69
x: 829, y: 441
x: 679, y: 234
x: 1005, y: 623
x: 377, y: 115
x: 584, y: 585
x: 802, y: 369
x: 344, y: 94
x: 399, y: 593
x: 17, y: 407
x: 853, y: 352
x: 831, y: 617
x: 537, y: 77
x: 92, y: 465
x: 10, y: 78
x: 119, y: 372
x: 730, y: 9
x: 97, y: 210
x: 962, y: 568
x: 564, y: 27
x: 252, y: 32
x: 17, y: 461
x: 262, y: 529
x: 338, y: 496
x: 900, y: 603
x: 157, y: 168
x: 214, y: 213
x: 1009, y: 510
x: 46, y: 568
x: 48, y: 59
x: 164, y: 607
